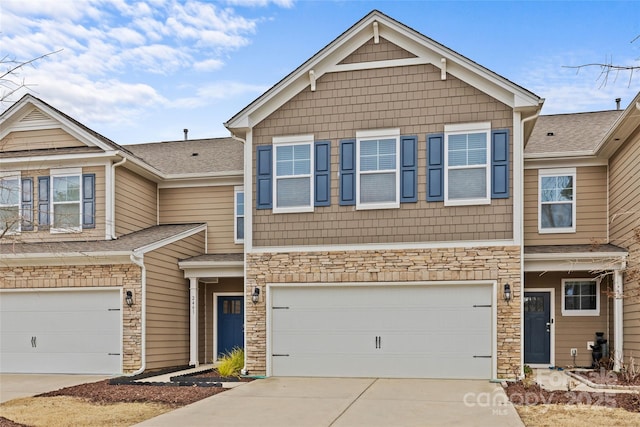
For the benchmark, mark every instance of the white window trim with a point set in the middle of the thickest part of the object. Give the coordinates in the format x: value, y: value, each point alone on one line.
x: 236, y: 190
x: 595, y: 312
x: 378, y: 134
x: 293, y: 140
x: 59, y: 173
x: 465, y: 128
x: 557, y: 172
x: 18, y: 176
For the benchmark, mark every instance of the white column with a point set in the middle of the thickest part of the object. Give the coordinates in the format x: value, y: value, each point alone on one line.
x: 618, y: 309
x: 193, y: 322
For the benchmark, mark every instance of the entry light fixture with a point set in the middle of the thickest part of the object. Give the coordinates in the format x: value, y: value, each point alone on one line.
x: 255, y: 296
x: 507, y: 292
x: 129, y: 298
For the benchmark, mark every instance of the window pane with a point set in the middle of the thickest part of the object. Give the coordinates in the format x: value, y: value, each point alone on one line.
x: 477, y: 157
x: 572, y: 303
x: 477, y: 141
x: 66, y: 216
x: 457, y: 158
x: 66, y: 189
x: 556, y: 215
x: 10, y: 192
x: 369, y: 148
x: 378, y: 155
x: 301, y: 154
x: 457, y: 142
x: 378, y: 187
x: 534, y: 304
x: 9, y: 218
x: 556, y: 188
x: 467, y: 183
x: 293, y: 192
x: 240, y: 203
x: 240, y: 228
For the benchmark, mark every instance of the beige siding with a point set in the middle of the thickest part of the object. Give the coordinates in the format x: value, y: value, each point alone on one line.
x: 213, y: 205
x: 411, y: 98
x: 591, y: 209
x: 168, y: 303
x: 42, y: 234
x: 38, y: 140
x: 136, y: 202
x: 383, y: 51
x: 624, y: 178
x: 574, y: 331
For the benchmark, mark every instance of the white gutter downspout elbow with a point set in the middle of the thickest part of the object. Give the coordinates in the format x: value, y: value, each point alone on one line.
x: 112, y: 226
x: 138, y: 260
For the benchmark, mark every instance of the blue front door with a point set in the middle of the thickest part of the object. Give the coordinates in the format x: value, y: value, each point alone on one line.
x: 537, y: 328
x: 230, y: 321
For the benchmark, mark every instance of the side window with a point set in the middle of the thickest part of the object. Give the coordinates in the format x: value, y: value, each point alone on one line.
x: 580, y: 297
x: 557, y: 201
x: 10, y: 196
x: 292, y: 166
x: 66, y: 206
x: 467, y: 168
x: 377, y: 165
x: 239, y: 215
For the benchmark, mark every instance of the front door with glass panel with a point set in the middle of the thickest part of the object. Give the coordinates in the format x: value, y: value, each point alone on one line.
x: 537, y: 328
x: 230, y: 321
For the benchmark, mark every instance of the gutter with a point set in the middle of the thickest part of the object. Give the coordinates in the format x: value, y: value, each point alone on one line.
x: 139, y: 261
x: 112, y: 195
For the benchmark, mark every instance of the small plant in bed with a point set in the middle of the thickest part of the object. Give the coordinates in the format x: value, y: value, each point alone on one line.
x: 231, y: 363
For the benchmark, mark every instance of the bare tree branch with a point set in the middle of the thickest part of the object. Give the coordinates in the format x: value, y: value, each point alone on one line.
x: 9, y: 76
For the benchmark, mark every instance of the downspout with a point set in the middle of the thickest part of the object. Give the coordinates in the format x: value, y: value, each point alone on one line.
x: 112, y: 231
x: 139, y: 261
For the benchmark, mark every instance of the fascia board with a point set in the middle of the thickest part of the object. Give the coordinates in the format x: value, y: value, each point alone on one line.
x: 138, y: 252
x: 564, y: 162
x: 203, y: 181
x: 37, y: 162
x: 65, y: 258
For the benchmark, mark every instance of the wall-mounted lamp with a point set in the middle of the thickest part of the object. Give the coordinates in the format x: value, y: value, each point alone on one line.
x: 129, y: 298
x: 507, y: 292
x: 255, y: 296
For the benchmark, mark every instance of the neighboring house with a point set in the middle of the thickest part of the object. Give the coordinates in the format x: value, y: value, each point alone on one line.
x: 115, y: 259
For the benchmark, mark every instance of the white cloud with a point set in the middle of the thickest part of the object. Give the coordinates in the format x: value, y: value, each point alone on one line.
x: 217, y: 91
x: 262, y: 3
x: 208, y: 65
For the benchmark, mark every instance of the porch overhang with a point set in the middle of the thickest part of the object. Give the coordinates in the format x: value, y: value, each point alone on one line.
x: 212, y: 266
x: 574, y: 258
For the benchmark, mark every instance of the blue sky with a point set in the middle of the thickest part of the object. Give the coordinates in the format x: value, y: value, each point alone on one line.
x: 143, y: 71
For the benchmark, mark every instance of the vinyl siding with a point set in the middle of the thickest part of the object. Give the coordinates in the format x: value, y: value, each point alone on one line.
x: 213, y: 205
x: 38, y: 140
x: 574, y: 331
x: 135, y: 202
x: 40, y: 235
x: 167, y: 340
x: 591, y: 209
x: 411, y: 98
x: 624, y: 176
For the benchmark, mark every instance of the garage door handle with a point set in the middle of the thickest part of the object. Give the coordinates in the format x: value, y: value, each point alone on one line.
x: 33, y: 342
x: 280, y: 355
x: 482, y: 357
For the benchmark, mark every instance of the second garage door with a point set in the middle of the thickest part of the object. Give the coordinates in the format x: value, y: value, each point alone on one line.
x: 382, y: 331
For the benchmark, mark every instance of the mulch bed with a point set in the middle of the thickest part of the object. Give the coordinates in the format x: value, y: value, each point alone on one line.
x: 606, y: 377
x: 213, y: 374
x: 519, y: 394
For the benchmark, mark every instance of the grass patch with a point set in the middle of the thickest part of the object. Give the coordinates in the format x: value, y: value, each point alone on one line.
x: 62, y: 411
x: 576, y: 416
x: 231, y: 363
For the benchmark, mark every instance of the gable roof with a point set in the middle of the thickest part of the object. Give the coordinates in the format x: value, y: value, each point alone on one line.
x: 564, y: 135
x: 424, y: 48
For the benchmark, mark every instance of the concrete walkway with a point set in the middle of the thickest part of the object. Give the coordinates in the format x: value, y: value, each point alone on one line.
x: 344, y: 402
x: 13, y: 386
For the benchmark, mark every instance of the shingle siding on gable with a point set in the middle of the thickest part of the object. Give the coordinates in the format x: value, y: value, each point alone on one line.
x: 136, y: 203
x: 412, y: 98
x: 383, y: 51
x: 591, y: 209
x: 38, y: 140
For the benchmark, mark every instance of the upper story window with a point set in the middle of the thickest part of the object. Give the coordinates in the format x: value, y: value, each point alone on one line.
x: 467, y: 168
x: 293, y: 186
x: 239, y: 215
x: 10, y: 192
x: 66, y: 206
x: 580, y: 297
x: 378, y: 162
x: 557, y: 202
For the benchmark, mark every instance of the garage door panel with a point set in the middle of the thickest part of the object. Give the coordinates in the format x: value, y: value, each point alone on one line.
x: 382, y: 331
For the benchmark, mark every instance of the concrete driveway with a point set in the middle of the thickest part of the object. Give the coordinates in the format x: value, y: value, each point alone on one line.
x: 350, y: 402
x: 13, y: 386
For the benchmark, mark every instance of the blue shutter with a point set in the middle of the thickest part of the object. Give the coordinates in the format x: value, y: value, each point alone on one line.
x: 43, y: 202
x: 89, y: 200
x: 500, y: 164
x: 435, y: 167
x: 408, y: 169
x: 348, y: 172
x: 264, y: 186
x: 322, y: 173
x: 27, y: 205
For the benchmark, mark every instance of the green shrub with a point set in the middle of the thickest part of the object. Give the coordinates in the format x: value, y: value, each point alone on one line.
x: 231, y: 363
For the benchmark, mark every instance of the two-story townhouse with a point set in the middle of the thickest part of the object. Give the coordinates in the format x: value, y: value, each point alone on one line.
x: 384, y: 212
x: 115, y: 260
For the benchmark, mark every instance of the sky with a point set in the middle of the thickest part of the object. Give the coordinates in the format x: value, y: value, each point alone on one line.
x: 142, y: 71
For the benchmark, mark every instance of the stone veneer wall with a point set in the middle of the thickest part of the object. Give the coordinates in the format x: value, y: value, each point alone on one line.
x: 414, y: 265
x: 126, y: 276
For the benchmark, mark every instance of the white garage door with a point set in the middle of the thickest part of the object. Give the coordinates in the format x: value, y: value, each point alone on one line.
x: 382, y: 331
x: 60, y: 332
